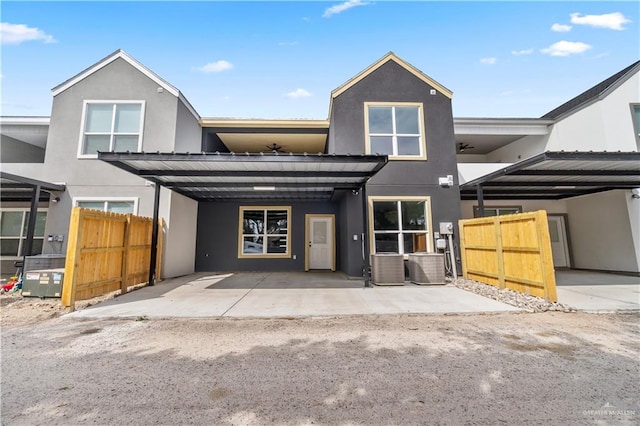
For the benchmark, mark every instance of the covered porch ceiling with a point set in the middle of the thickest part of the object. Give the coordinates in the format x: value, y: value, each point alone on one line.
x: 266, y: 136
x: 558, y: 175
x: 251, y: 176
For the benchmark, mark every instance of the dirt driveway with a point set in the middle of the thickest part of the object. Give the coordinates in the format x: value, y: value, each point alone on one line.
x: 550, y: 368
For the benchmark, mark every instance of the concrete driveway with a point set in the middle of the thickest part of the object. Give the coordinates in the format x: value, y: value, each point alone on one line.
x: 286, y: 294
x: 598, y: 292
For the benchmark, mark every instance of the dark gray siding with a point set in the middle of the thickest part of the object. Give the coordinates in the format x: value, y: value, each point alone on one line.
x: 392, y: 83
x: 217, y: 237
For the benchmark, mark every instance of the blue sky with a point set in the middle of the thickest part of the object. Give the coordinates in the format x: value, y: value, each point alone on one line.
x: 282, y: 59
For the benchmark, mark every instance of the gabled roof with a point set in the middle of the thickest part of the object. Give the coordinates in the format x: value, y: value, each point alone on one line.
x: 386, y: 58
x: 597, y: 92
x: 121, y: 54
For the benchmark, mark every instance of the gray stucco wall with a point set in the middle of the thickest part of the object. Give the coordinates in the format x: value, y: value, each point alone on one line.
x: 188, y: 131
x: 392, y: 83
x: 15, y: 151
x: 217, y: 241
x: 93, y: 178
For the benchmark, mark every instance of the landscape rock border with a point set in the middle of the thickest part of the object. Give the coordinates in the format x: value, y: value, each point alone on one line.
x: 523, y: 301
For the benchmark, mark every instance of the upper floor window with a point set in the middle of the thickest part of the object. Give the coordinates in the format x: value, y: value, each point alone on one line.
x: 395, y: 130
x: 113, y: 205
x: 13, y: 231
x: 111, y: 126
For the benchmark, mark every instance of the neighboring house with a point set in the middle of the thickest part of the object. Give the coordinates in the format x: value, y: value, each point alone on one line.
x: 293, y: 195
x: 584, y: 182
x: 258, y: 196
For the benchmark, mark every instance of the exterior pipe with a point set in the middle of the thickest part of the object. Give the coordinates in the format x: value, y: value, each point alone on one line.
x: 365, y: 239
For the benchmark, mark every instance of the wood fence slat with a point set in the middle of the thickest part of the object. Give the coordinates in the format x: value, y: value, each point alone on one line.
x: 105, y: 252
x: 512, y: 251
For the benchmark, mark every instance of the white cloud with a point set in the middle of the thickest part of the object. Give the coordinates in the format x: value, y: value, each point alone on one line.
x: 488, y: 61
x: 216, y: 66
x: 561, y: 28
x: 612, y: 21
x: 297, y: 94
x: 566, y: 48
x: 339, y: 8
x: 18, y: 33
x: 522, y: 52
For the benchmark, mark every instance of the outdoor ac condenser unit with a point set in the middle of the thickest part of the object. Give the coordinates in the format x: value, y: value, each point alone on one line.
x: 426, y: 268
x: 387, y: 269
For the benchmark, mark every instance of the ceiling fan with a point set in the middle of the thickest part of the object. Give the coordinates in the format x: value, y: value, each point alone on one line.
x: 274, y: 147
x: 462, y: 147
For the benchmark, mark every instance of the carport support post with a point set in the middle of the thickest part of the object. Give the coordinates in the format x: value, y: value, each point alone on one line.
x: 31, y: 226
x: 480, y: 196
x: 154, y: 236
x: 365, y: 238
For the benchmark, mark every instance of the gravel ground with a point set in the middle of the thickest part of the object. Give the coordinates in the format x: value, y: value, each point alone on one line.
x: 524, y: 301
x: 530, y: 368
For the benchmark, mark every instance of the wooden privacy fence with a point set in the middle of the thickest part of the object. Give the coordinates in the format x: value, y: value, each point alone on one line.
x: 106, y: 252
x: 511, y: 251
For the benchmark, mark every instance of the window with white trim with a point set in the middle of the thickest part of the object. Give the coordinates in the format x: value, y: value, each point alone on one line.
x: 400, y: 226
x: 13, y: 231
x: 113, y: 206
x: 111, y: 126
x: 264, y: 231
x: 395, y: 130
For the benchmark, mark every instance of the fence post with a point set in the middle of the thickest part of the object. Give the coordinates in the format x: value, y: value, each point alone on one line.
x: 125, y: 254
x: 463, y: 251
x: 546, y: 257
x: 72, y: 262
x: 497, y: 224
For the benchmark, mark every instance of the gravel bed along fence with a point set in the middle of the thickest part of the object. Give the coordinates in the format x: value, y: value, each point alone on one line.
x: 523, y: 301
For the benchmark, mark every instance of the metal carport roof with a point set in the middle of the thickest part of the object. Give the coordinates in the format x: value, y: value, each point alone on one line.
x: 558, y: 175
x: 20, y: 188
x: 250, y: 176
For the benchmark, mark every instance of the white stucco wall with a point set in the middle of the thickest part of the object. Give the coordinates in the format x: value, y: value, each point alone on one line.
x: 180, y: 242
x: 602, y: 234
x: 633, y: 207
x: 605, y: 125
x: 521, y: 149
x: 470, y: 171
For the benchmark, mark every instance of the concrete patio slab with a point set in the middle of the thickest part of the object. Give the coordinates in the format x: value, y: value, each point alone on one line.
x: 598, y: 292
x: 268, y: 295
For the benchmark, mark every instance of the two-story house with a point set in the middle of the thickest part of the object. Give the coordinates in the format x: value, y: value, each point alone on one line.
x: 580, y: 162
x: 238, y: 194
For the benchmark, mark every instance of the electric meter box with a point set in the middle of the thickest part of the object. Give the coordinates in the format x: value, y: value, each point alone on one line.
x: 43, y: 283
x: 446, y: 228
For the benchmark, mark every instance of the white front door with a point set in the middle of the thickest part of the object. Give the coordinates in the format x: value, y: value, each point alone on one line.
x: 559, y: 246
x: 320, y: 242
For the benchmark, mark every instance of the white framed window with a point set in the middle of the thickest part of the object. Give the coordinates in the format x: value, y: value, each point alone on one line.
x: 111, y: 126
x: 113, y: 204
x: 396, y: 130
x: 497, y: 210
x: 400, y: 224
x: 13, y: 231
x: 264, y: 231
